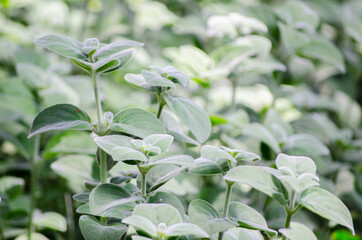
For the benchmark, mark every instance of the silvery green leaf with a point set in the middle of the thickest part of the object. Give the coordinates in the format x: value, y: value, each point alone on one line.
x: 138, y: 80
x: 206, y: 166
x: 50, y: 220
x: 81, y: 197
x: 324, y: 51
x: 259, y: 178
x: 178, y: 160
x: 182, y: 229
x: 33, y: 75
x: 127, y: 154
x: 247, y: 217
x: 156, y: 80
x: 261, y: 133
x: 90, y: 45
x: 291, y: 37
x: 205, y: 215
x: 34, y: 236
x: 163, y: 141
x: 107, y: 143
x: 242, y: 234
x: 298, y: 231
x: 176, y: 75
x: 60, y: 117
x: 160, y: 174
x: 137, y: 122
x: 86, y: 66
x: 215, y: 153
x: 326, y: 205
x: 115, y: 47
x: 305, y: 145
x: 62, y: 45
x: 194, y: 117
x: 158, y: 213
x: 93, y: 230
x: 297, y: 164
x: 107, y: 196
x: 11, y: 186
x: 241, y: 155
x: 142, y: 223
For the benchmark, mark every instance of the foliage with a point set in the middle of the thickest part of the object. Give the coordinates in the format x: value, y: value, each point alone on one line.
x: 181, y: 120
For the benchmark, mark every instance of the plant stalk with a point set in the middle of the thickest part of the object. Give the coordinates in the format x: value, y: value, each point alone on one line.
x: 33, y: 184
x: 160, y: 104
x: 143, y: 185
x: 233, y: 94
x: 229, y: 186
x: 101, y: 123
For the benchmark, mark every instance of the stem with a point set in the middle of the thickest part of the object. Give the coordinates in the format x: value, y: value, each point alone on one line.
x: 33, y: 183
x: 143, y: 185
x: 226, y: 203
x: 103, y: 166
x: 233, y: 94
x: 290, y: 210
x: 70, y: 216
x: 101, y: 123
x: 160, y: 104
x: 287, y: 221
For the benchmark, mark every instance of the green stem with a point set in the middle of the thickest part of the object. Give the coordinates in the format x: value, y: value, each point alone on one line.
x: 289, y: 217
x: 233, y: 94
x: 290, y: 210
x: 229, y: 186
x: 101, y: 123
x: 33, y: 183
x: 143, y: 185
x: 160, y: 104
x: 103, y: 167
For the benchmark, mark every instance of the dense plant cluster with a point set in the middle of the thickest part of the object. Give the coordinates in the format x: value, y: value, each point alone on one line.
x: 183, y: 120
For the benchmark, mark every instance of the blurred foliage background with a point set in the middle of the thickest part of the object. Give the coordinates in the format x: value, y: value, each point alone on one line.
x: 275, y: 76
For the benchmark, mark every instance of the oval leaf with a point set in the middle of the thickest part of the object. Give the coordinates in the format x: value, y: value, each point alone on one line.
x: 60, y: 117
x: 93, y: 230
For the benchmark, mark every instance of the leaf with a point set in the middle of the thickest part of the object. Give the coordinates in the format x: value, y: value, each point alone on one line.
x: 137, y: 122
x: 326, y: 205
x: 298, y: 231
x: 76, y: 169
x: 182, y: 229
x: 247, y: 217
x: 33, y: 75
x: 167, y: 198
x: 194, y: 117
x: 34, y: 236
x: 163, y: 141
x: 86, y: 66
x: 178, y: 160
x: 296, y: 164
x: 11, y: 186
x: 259, y: 178
x: 242, y: 234
x: 51, y: 220
x: 160, y: 174
x: 292, y: 38
x: 262, y: 134
x: 324, y: 51
x: 115, y: 47
x: 107, y: 195
x: 142, y: 223
x: 60, y: 117
x: 107, y: 143
x: 62, y: 45
x: 126, y: 153
x: 305, y: 145
x: 205, y: 215
x: 215, y: 153
x: 206, y: 166
x: 158, y: 213
x: 156, y: 80
x: 93, y: 230
x: 81, y: 197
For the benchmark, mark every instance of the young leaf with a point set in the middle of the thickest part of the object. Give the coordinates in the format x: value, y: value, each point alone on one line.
x: 205, y: 215
x: 107, y: 143
x: 115, y: 47
x: 160, y: 174
x: 158, y: 213
x: 242, y: 234
x: 128, y: 154
x: 182, y: 229
x: 60, y: 117
x: 167, y: 198
x: 62, y: 45
x: 297, y: 164
x: 247, y: 217
x: 163, y: 141
x: 86, y: 66
x: 93, y: 230
x: 298, y: 231
x: 206, y: 166
x: 137, y: 122
x: 259, y: 178
x: 326, y: 205
x: 194, y: 117
x: 156, y: 80
x: 106, y: 196
x: 215, y: 153
x: 143, y: 224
